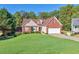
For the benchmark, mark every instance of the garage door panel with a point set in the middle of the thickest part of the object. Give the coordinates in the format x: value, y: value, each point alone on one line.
x: 53, y: 30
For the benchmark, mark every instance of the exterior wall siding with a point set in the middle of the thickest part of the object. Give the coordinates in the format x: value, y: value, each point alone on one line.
x: 76, y: 30
x: 74, y: 24
x: 23, y: 30
x: 29, y: 29
x: 44, y: 28
x: 37, y: 29
x: 26, y: 29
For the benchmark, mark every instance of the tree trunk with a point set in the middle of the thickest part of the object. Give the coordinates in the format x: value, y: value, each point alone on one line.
x: 4, y: 33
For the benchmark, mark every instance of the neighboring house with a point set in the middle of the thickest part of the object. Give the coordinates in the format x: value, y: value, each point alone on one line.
x: 50, y: 25
x: 75, y: 25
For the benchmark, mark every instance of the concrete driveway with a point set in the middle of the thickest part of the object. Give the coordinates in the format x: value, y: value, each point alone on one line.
x: 65, y: 37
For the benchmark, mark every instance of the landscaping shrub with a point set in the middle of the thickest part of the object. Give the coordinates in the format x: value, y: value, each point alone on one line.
x: 68, y: 33
x: 18, y: 33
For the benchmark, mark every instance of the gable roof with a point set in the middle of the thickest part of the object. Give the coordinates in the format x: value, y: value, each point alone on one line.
x: 46, y: 22
x: 25, y: 21
x: 31, y: 23
x: 41, y: 22
x: 75, y: 21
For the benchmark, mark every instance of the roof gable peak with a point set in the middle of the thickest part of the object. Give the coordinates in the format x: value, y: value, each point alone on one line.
x: 31, y: 23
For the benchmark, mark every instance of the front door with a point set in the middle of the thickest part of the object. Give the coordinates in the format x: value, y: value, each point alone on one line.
x: 40, y: 28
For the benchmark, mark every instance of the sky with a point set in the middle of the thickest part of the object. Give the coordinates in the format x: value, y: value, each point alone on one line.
x: 12, y: 8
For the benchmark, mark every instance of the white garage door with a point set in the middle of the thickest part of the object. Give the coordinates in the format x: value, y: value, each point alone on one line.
x: 53, y: 30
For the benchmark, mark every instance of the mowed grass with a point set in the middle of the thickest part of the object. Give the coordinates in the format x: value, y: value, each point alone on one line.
x: 38, y: 43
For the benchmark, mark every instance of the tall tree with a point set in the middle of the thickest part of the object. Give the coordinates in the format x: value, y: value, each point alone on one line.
x: 54, y: 13
x: 66, y: 13
x: 5, y: 20
x: 76, y: 12
x: 18, y: 18
x: 31, y: 15
x: 44, y: 15
x: 12, y: 24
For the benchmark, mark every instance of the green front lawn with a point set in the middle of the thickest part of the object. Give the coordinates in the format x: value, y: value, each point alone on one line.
x: 37, y: 43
